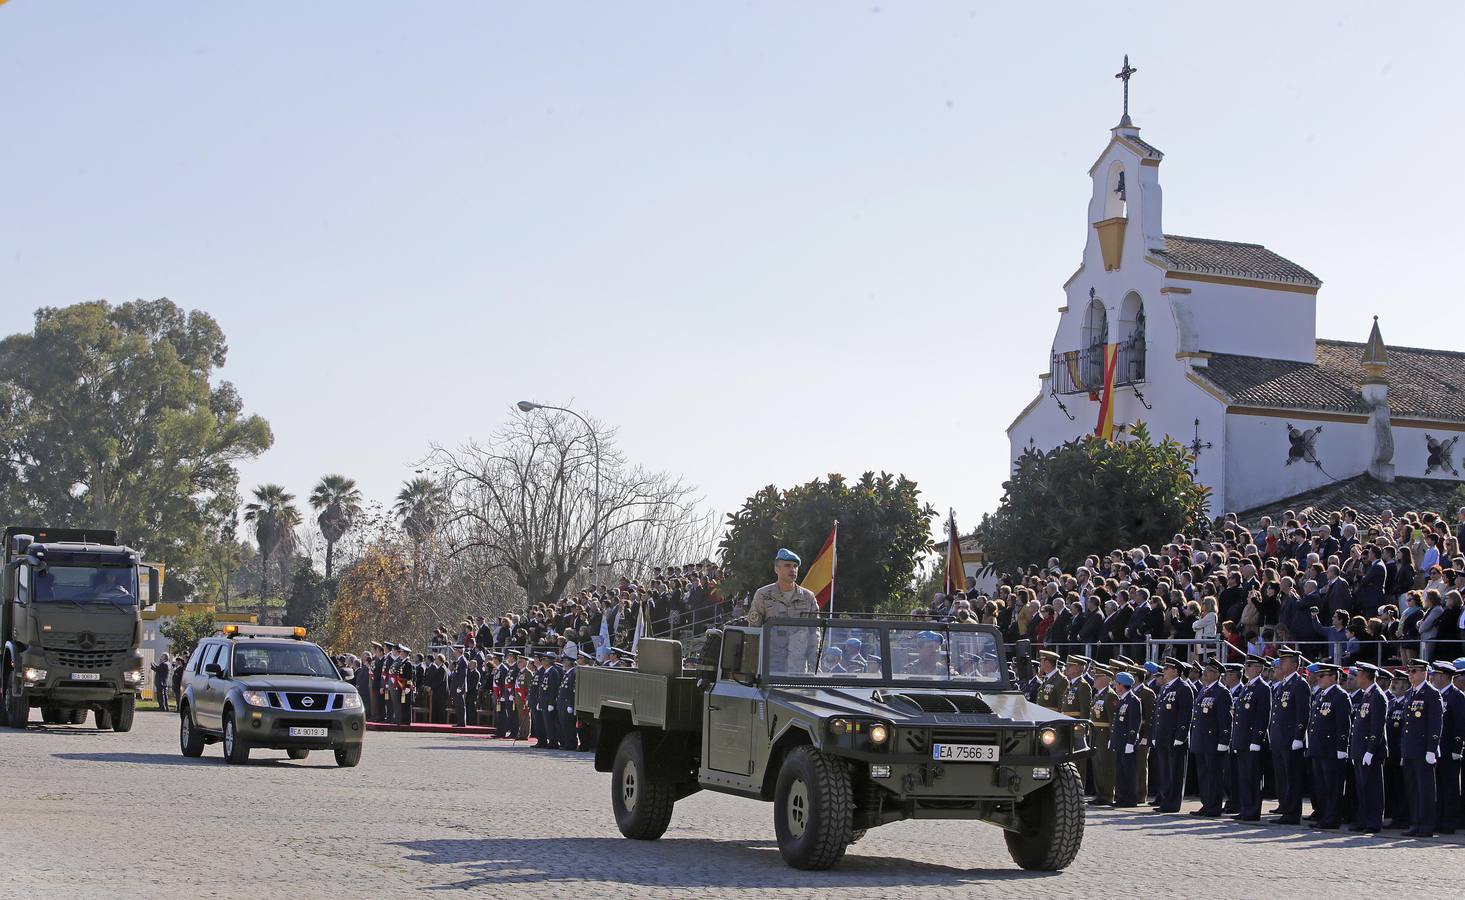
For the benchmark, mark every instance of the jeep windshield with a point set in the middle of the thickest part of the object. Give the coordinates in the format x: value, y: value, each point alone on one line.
x: 86, y: 584
x: 283, y: 659
x: 855, y: 651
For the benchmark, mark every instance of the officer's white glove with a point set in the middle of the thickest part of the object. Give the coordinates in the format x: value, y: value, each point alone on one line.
x: 569, y: 709
x: 551, y: 709
x: 1222, y: 748
x: 1455, y: 757
x: 1144, y: 742
x: 1180, y: 743
x: 1128, y: 748
x: 1429, y: 757
x: 1368, y: 758
x: 1255, y: 748
x: 1297, y: 745
x: 1342, y: 754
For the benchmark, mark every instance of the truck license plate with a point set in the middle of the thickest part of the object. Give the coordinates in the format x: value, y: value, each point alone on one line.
x: 85, y: 676
x: 309, y: 732
x: 964, y: 752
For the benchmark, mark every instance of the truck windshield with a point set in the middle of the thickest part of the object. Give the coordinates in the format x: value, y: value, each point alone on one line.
x: 87, y: 584
x: 935, y: 652
x: 293, y: 659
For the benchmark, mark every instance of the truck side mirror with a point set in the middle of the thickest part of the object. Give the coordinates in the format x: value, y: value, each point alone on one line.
x: 213, y: 669
x: 1023, y: 659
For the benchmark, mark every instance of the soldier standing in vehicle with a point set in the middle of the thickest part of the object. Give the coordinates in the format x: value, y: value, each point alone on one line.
x: 785, y: 599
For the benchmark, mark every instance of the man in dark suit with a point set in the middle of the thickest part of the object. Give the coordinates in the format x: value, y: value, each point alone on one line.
x: 437, y: 685
x: 161, y: 672
x: 361, y: 678
x: 1337, y: 596
x: 1370, y: 594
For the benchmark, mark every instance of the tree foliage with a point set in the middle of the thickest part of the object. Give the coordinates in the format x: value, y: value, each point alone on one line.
x: 109, y: 419
x: 185, y: 631
x: 884, y: 530
x: 370, y: 602
x: 337, y: 502
x: 274, y: 516
x: 1092, y: 496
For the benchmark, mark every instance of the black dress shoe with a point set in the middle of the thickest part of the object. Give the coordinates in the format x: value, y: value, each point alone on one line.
x: 1230, y: 810
x: 1287, y: 821
x: 1326, y: 827
x: 1241, y: 818
x: 1396, y: 825
x: 1355, y: 827
x: 1369, y: 830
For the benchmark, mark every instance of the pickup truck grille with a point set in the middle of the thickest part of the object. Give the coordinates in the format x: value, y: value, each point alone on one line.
x: 307, y: 702
x: 86, y: 661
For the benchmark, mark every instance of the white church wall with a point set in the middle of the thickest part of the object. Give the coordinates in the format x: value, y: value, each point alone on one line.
x: 1250, y: 321
x: 1429, y: 452
x: 1258, y: 470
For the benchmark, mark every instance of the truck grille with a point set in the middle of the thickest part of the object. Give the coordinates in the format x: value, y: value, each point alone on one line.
x: 86, y: 640
x: 86, y: 661
x: 921, y: 739
x: 308, y: 702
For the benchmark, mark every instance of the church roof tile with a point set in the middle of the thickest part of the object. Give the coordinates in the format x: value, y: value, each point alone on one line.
x: 1212, y: 257
x: 1364, y: 494
x: 1423, y: 384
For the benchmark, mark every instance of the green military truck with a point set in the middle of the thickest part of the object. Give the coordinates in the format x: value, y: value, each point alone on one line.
x: 70, y: 622
x: 844, y: 725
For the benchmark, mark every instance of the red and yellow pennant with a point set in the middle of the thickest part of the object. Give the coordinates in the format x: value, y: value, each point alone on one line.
x: 819, y: 580
x: 1105, y: 428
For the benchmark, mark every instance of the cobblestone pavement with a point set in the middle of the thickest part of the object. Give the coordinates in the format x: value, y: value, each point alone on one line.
x: 91, y: 814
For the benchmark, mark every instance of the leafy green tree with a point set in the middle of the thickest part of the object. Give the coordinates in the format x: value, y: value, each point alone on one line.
x: 275, y: 517
x: 185, y: 631
x: 1092, y: 496
x: 337, y: 501
x: 109, y: 418
x: 884, y: 529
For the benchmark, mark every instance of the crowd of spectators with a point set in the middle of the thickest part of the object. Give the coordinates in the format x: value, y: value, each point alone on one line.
x: 1385, y: 592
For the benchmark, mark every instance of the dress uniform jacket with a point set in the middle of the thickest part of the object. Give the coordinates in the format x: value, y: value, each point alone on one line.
x: 1447, y: 767
x: 1124, y: 739
x: 1173, y: 712
x: 548, y: 703
x: 1076, y: 698
x: 1102, y: 709
x: 1051, y: 691
x: 1288, y: 724
x: 1327, y: 741
x: 565, y: 710
x: 1210, y: 732
x: 1419, y: 742
x: 1146, y: 697
x: 1250, y: 715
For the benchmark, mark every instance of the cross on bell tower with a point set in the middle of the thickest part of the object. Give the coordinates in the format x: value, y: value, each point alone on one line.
x: 1124, y: 75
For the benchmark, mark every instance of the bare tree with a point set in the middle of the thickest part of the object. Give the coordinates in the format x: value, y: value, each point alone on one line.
x: 525, y: 502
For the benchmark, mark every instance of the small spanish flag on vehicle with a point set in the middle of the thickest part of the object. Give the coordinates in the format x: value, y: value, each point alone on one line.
x: 819, y: 580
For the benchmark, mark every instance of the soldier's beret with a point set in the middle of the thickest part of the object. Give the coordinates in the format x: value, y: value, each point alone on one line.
x: 1272, y: 661
x: 933, y: 636
x: 1125, y: 679
x: 1151, y: 667
x: 1312, y: 668
x: 786, y: 555
x: 1460, y: 665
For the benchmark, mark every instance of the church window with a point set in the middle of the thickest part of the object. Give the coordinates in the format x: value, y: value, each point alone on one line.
x: 1095, y: 336
x: 1116, y: 202
x: 1132, y: 339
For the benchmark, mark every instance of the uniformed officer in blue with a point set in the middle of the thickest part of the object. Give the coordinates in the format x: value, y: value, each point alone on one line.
x: 1424, y: 715
x: 1327, y: 746
x: 1452, y: 747
x: 549, y: 698
x: 1368, y: 749
x: 1173, y: 710
x: 1210, y: 737
x: 1396, y: 798
x: 1123, y: 738
x: 1285, y: 731
x: 1250, y: 715
x: 565, y: 702
x: 1234, y: 681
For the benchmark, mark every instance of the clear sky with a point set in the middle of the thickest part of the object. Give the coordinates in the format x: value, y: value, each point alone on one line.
x: 766, y: 240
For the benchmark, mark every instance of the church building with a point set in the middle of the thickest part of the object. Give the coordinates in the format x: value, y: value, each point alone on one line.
x: 1214, y: 343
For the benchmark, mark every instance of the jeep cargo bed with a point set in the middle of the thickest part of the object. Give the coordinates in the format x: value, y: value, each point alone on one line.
x: 663, y: 701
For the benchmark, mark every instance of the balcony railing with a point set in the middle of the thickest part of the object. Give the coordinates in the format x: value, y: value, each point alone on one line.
x: 1082, y: 371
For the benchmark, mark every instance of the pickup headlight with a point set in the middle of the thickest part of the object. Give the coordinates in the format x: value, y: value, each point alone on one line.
x: 256, y: 698
x: 132, y: 676
x: 351, y: 701
x: 31, y: 673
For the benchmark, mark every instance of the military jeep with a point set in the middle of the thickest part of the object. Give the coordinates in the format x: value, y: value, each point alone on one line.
x: 843, y: 724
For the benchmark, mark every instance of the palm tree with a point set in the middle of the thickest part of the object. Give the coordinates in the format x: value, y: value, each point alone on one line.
x: 274, y: 516
x: 417, y: 508
x: 338, y: 501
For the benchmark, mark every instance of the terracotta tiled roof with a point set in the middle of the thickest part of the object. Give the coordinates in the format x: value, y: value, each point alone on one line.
x: 1367, y: 496
x: 1423, y: 384
x: 1209, y: 257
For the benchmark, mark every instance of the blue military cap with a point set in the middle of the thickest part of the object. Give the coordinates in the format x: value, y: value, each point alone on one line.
x: 1171, y: 662
x: 1289, y: 651
x: 1313, y: 668
x: 786, y: 555
x: 1442, y: 666
x: 1235, y: 667
x: 1460, y: 664
x: 1271, y: 662
x: 1125, y: 679
x: 932, y: 636
x: 834, y: 651
x: 1152, y: 667
x: 1370, y: 668
x: 1214, y: 663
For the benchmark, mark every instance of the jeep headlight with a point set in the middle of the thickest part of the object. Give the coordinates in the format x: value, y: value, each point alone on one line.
x: 31, y: 673
x: 879, y: 733
x: 1048, y: 737
x: 256, y: 698
x: 351, y: 701
x: 132, y: 676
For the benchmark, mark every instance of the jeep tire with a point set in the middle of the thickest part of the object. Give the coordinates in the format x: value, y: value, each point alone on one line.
x: 813, y: 809
x: 236, y: 750
x: 642, y: 807
x: 190, y: 739
x: 1051, y: 821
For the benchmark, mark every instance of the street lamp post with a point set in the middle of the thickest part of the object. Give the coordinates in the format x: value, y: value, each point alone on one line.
x: 528, y: 406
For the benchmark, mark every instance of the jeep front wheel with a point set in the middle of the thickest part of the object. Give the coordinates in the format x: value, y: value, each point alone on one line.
x: 1050, y: 823
x: 813, y: 809
x: 642, y: 808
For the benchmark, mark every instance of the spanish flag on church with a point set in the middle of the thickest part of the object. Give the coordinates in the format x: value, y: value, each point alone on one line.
x: 819, y: 580
x: 1105, y: 428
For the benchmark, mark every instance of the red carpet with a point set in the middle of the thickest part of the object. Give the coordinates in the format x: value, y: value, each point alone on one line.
x: 426, y: 728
